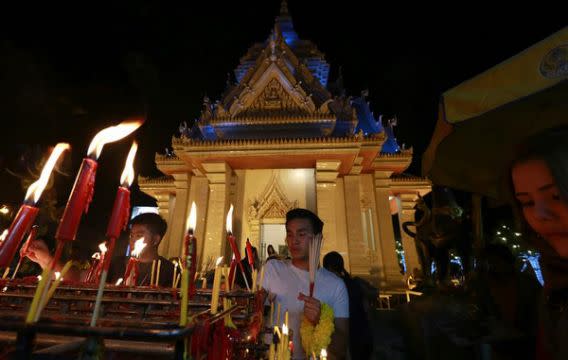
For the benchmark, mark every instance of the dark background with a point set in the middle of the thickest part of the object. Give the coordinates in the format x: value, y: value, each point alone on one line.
x: 67, y: 70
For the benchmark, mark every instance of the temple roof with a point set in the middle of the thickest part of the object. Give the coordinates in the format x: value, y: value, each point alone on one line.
x: 282, y: 92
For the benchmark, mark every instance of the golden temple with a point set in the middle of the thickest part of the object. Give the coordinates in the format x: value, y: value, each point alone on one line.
x: 282, y: 136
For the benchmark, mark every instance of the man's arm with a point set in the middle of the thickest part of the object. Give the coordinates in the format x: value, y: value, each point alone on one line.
x: 339, y: 339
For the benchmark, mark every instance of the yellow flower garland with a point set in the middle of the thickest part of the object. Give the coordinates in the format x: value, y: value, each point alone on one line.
x: 315, y: 338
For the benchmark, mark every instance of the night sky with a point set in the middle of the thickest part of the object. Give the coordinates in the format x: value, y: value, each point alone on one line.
x: 69, y: 70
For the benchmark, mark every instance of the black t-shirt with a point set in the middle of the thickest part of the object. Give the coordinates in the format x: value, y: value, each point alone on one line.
x: 118, y: 266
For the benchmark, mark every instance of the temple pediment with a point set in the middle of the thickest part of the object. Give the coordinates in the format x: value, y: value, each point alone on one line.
x: 274, y: 93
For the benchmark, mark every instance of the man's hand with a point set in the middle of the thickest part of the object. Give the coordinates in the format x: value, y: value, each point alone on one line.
x: 312, y: 308
x: 38, y: 252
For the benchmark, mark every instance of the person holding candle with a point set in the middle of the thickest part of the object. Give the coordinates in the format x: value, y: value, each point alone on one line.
x: 149, y: 226
x: 287, y: 283
x: 152, y: 228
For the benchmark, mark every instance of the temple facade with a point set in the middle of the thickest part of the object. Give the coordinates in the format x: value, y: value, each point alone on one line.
x: 281, y: 137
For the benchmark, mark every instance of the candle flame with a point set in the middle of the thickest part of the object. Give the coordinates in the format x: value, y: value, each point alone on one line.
x: 219, y: 260
x: 39, y: 277
x: 57, y: 275
x: 229, y: 224
x: 127, y: 176
x: 284, y: 329
x: 139, y: 245
x: 192, y: 218
x: 4, y: 234
x: 103, y: 247
x: 96, y: 256
x: 323, y: 353
x: 4, y: 209
x: 119, y: 281
x: 111, y: 134
x: 37, y: 187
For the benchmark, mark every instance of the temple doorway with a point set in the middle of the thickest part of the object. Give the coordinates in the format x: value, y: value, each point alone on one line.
x: 275, y: 235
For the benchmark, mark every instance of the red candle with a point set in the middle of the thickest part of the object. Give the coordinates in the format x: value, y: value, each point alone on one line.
x: 249, y: 254
x: 121, y: 208
x: 28, y: 211
x: 131, y: 273
x: 95, y: 259
x: 20, y: 226
x: 236, y: 252
x: 78, y: 202
x: 120, y: 213
x: 233, y: 243
x: 99, y: 267
x: 232, y: 270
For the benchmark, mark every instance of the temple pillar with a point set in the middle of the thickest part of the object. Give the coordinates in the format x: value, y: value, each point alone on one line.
x: 165, y: 202
x: 406, y: 213
x: 214, y: 243
x: 199, y: 193
x: 177, y: 220
x: 358, y: 258
x: 387, y: 250
x: 326, y: 176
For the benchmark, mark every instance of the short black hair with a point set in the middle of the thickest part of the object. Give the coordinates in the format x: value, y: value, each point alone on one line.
x: 299, y: 213
x: 333, y: 261
x: 153, y: 221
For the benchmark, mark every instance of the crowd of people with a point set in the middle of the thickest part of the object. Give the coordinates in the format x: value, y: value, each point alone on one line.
x: 539, y: 190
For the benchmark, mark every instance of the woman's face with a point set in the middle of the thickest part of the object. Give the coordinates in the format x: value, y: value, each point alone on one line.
x: 543, y: 208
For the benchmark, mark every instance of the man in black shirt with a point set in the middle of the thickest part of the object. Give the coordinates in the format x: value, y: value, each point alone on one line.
x: 152, y: 228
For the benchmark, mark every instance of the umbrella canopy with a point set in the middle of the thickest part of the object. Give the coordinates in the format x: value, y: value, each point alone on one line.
x: 481, y: 120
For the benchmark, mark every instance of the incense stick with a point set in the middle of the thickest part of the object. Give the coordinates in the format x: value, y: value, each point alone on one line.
x: 314, y: 256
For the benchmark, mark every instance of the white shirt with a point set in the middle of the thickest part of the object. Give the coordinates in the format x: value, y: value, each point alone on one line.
x: 286, y: 281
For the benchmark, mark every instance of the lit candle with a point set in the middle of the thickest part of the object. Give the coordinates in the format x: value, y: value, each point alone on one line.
x: 95, y: 259
x: 83, y: 189
x: 216, y: 287
x: 188, y: 264
x: 323, y: 354
x: 233, y: 243
x: 131, y: 273
x: 117, y: 223
x: 99, y: 269
x: 175, y: 273
x: 28, y: 211
x: 284, y: 349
